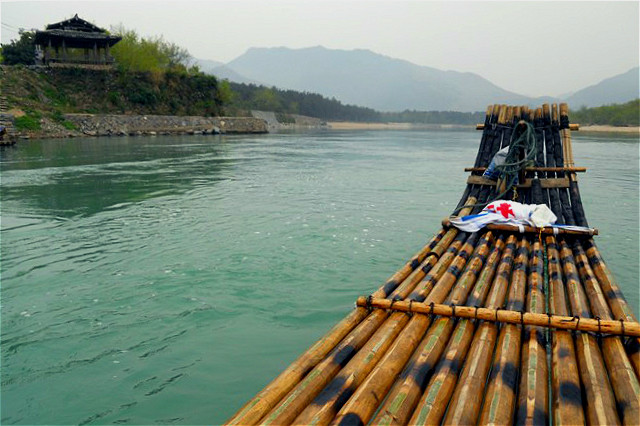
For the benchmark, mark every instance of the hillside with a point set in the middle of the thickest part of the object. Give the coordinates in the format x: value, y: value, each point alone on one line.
x: 617, y: 89
x: 40, y: 99
x: 365, y: 78
x: 87, y: 91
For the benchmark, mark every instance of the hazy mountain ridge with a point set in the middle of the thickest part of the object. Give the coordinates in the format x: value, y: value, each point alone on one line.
x: 614, y: 90
x: 362, y: 77
x: 365, y: 78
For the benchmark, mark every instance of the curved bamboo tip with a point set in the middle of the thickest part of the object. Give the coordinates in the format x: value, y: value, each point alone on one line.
x: 362, y: 301
x: 564, y: 109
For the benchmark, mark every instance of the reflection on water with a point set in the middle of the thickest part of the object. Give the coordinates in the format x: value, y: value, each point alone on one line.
x: 166, y: 280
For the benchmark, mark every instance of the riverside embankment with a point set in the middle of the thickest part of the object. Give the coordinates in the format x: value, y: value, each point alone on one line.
x: 39, y: 102
x: 132, y: 125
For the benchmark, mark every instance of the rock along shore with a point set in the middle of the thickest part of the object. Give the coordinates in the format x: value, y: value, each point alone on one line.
x: 138, y: 125
x: 132, y: 125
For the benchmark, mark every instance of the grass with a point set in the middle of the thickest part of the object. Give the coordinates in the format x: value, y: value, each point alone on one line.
x: 28, y: 122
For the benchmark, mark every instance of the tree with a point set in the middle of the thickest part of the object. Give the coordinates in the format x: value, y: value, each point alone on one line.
x: 154, y: 54
x: 21, y: 51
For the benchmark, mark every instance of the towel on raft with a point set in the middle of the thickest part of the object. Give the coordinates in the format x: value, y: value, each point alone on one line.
x: 506, y: 212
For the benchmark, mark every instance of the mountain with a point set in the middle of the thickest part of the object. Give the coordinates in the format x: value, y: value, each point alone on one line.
x: 206, y: 65
x: 226, y: 73
x: 365, y: 78
x: 617, y: 89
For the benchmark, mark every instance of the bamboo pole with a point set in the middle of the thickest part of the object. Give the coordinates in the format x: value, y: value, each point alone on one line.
x: 466, y: 401
x: 623, y: 378
x: 304, y: 392
x: 326, y: 405
x: 566, y: 135
x: 574, y: 192
x: 265, y: 400
x: 484, y: 152
x: 561, y: 322
x: 533, y: 404
x: 566, y: 393
x: 567, y: 214
x: 615, y: 299
x: 432, y: 405
x: 499, y: 400
x: 550, y: 160
x: 599, y: 398
x: 483, y: 139
x: 366, y: 399
x: 536, y: 169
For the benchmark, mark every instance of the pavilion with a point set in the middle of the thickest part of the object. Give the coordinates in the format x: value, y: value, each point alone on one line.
x: 74, y: 42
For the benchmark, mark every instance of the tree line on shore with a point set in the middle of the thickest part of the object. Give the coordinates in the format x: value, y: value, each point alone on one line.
x: 627, y: 114
x: 158, y: 58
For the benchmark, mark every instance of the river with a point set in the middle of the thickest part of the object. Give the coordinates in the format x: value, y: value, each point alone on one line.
x: 166, y: 280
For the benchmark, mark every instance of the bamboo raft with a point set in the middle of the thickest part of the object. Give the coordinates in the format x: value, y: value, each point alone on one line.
x: 501, y: 326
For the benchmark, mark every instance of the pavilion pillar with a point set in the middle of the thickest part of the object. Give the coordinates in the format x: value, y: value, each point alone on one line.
x: 47, y: 53
x: 86, y: 54
x: 95, y: 52
x: 106, y: 54
x: 64, y: 51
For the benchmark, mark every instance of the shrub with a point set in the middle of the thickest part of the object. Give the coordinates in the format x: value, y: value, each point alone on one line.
x: 28, y: 122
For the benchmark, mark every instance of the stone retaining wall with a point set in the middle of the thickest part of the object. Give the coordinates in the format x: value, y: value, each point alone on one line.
x: 121, y: 125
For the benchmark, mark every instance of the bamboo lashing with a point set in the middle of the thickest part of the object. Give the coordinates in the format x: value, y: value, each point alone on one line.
x: 618, y: 328
x: 572, y: 126
x: 516, y: 325
x: 535, y: 169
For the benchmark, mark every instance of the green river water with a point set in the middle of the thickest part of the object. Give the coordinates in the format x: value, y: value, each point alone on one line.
x: 167, y: 280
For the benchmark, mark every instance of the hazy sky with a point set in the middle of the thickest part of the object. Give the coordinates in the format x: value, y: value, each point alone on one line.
x: 532, y: 48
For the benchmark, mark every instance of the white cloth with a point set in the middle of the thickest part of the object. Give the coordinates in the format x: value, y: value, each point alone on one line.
x: 506, y: 212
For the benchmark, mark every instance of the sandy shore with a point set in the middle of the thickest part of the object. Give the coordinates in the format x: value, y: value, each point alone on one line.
x: 351, y: 125
x: 612, y: 129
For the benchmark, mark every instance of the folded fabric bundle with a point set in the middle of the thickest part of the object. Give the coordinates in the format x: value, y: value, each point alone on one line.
x: 506, y: 212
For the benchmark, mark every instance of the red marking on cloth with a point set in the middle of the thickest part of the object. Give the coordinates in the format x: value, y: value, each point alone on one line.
x: 505, y: 210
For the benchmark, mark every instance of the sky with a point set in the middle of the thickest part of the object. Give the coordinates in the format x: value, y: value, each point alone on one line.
x: 531, y: 48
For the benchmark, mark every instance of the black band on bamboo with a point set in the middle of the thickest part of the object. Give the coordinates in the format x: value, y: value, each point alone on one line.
x: 453, y: 310
x: 369, y: 299
x: 599, y: 328
x: 522, y: 317
x: 549, y: 315
x: 476, y: 313
x: 497, y: 309
x: 434, y: 254
x: 431, y: 305
x: 410, y: 312
x: 392, y: 302
x: 622, y: 325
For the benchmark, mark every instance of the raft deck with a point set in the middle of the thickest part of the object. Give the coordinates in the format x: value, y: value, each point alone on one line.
x: 501, y: 326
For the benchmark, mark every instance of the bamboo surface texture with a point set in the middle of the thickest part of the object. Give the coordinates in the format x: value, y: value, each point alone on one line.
x: 508, y: 325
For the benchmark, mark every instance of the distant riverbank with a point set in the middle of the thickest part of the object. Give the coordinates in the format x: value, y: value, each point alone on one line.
x: 352, y: 125
x: 611, y: 129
